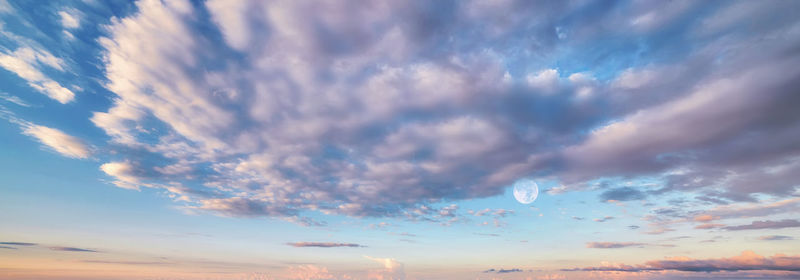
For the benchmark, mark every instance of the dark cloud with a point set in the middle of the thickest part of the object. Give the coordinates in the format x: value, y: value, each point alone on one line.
x: 323, y: 244
x: 633, y: 227
x: 748, y: 260
x: 613, y: 245
x: 501, y: 270
x: 775, y: 237
x: 7, y: 247
x: 71, y: 249
x: 622, y: 194
x: 18, y: 243
x: 786, y: 223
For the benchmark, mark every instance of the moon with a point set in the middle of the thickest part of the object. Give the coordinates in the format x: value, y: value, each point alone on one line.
x: 526, y: 191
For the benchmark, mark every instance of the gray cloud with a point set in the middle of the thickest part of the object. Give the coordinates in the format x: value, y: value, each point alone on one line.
x: 399, y: 107
x: 18, y: 243
x: 622, y: 194
x: 7, y: 247
x: 768, y: 224
x: 72, y: 249
x: 501, y: 270
x: 748, y: 260
x: 323, y: 244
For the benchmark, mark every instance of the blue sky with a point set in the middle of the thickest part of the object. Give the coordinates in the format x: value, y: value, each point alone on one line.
x: 379, y: 140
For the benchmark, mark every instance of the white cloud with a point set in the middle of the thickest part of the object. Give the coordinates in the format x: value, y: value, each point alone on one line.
x: 125, y: 174
x: 392, y: 269
x: 14, y: 99
x: 25, y: 62
x: 59, y: 141
x: 545, y: 80
x: 70, y: 19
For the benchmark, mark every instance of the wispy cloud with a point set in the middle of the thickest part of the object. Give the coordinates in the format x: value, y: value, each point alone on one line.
x: 501, y: 270
x: 14, y: 99
x: 604, y: 219
x: 768, y: 224
x: 72, y: 249
x: 748, y: 260
x: 18, y: 243
x: 613, y: 245
x: 27, y: 62
x: 775, y: 237
x: 59, y: 141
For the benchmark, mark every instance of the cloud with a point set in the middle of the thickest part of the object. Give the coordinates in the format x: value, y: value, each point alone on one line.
x: 775, y: 237
x: 127, y: 175
x: 26, y: 63
x: 622, y: 194
x: 71, y: 249
x: 7, y: 247
x: 309, y: 272
x: 501, y: 270
x: 18, y: 243
x: 613, y: 245
x: 59, y: 141
x: 604, y: 219
x: 70, y: 19
x: 709, y: 226
x: 392, y: 269
x: 748, y: 260
x: 323, y: 244
x: 377, y: 115
x: 768, y: 224
x: 14, y: 99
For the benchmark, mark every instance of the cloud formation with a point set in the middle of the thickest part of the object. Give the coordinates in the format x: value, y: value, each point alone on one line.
x: 501, y: 270
x: 277, y: 108
x: 27, y: 62
x: 71, y: 249
x: 775, y: 237
x: 748, y: 260
x: 59, y: 141
x: 768, y: 224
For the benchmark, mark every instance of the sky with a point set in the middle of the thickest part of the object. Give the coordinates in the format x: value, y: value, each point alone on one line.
x: 236, y: 139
